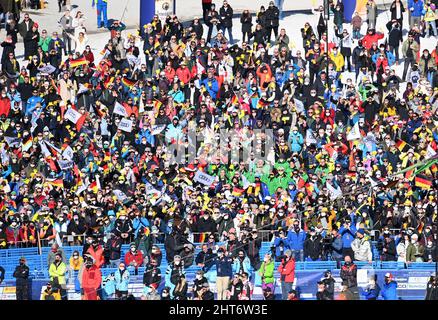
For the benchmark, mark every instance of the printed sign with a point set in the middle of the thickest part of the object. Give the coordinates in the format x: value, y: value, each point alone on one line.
x: 125, y: 125
x: 203, y: 178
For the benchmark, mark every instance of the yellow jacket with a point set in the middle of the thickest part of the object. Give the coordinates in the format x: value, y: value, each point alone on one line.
x: 338, y: 60
x: 58, y: 272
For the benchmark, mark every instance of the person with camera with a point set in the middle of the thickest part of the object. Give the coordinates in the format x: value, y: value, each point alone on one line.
x: 387, y: 248
x: 281, y: 244
x: 347, y: 232
x: 252, y: 248
x: 50, y: 293
x: 329, y: 283
x: 296, y: 238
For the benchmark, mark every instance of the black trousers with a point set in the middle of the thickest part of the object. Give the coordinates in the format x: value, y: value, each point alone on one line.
x: 205, y: 8
x: 269, y: 30
x: 408, y: 62
x: 22, y: 292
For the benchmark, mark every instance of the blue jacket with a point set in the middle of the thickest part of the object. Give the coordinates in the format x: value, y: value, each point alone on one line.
x: 389, y: 291
x: 213, y: 88
x: 372, y: 294
x: 296, y: 141
x: 246, y: 265
x: 122, y: 281
x: 347, y: 235
x: 31, y: 104
x: 137, y: 223
x: 99, y: 3
x: 337, y: 245
x: 296, y: 240
x: 417, y: 6
x: 224, y: 267
x: 277, y: 242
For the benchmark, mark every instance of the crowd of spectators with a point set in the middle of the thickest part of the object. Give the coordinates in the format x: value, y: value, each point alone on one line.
x: 87, y: 140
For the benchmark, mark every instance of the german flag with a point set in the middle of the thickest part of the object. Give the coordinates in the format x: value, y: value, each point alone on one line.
x: 401, y: 145
x: 423, y: 182
x: 261, y: 104
x: 237, y: 192
x: 78, y: 62
x: 26, y: 145
x: 56, y: 183
x: 127, y: 82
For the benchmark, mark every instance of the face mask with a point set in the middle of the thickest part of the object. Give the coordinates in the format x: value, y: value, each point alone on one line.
x: 132, y: 249
x: 199, y: 277
x: 165, y: 295
x: 177, y: 263
x: 413, y: 241
x: 220, y: 255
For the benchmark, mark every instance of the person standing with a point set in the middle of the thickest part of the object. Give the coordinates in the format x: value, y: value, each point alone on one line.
x: 226, y: 20
x: 322, y: 293
x: 389, y: 290
x: 372, y: 290
x: 329, y: 283
x: 57, y: 271
x: 102, y: 11
x: 66, y: 23
x: 2, y: 274
x: 266, y: 272
x: 287, y: 274
x: 61, y: 4
x: 272, y: 20
x: 91, y: 280
x: 206, y: 6
x: 121, y: 278
x: 246, y: 21
x: 349, y: 279
x: 25, y: 26
x: 371, y: 14
x: 21, y: 273
x: 397, y: 9
x: 224, y: 272
x: 416, y: 11
x: 31, y: 40
x: 361, y: 247
x: 410, y: 50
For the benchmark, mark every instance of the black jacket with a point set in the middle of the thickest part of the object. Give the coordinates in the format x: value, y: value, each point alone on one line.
x: 272, y: 17
x: 313, y: 247
x: 226, y: 16
x: 246, y: 21
x: 21, y: 273
x: 152, y: 275
x: 324, y: 295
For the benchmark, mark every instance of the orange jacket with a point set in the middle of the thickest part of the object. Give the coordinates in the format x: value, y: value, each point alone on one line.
x: 91, y: 280
x: 265, y: 75
x: 183, y: 75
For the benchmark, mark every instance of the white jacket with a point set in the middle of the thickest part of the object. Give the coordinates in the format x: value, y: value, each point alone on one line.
x: 362, y: 250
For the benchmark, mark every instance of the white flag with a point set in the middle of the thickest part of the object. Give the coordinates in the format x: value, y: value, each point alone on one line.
x: 156, y: 129
x: 82, y: 89
x: 354, y: 133
x: 119, y: 109
x: 68, y: 153
x: 121, y: 196
x: 430, y: 152
x: 203, y: 178
x: 334, y: 193
x: 125, y: 125
x: 72, y: 115
x: 310, y: 138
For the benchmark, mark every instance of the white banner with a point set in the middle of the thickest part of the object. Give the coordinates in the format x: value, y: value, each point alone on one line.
x: 65, y: 164
x: 430, y: 152
x: 310, y: 138
x: 334, y: 193
x: 203, y: 178
x: 120, y: 110
x: 163, y: 8
x: 157, y: 129
x: 72, y: 115
x: 125, y: 125
x: 354, y: 133
x: 121, y: 196
x: 47, y: 69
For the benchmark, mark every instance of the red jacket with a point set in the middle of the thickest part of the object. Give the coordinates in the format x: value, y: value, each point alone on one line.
x: 131, y: 257
x: 368, y: 40
x: 287, y: 269
x: 91, y: 280
x: 183, y: 74
x: 5, y: 106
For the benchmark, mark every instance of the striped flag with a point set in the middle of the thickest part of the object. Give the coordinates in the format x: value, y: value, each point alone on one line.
x: 127, y: 82
x: 409, y: 175
x: 26, y: 145
x: 78, y: 62
x: 237, y: 192
x: 423, y: 182
x: 56, y: 182
x: 401, y: 145
x: 108, y: 82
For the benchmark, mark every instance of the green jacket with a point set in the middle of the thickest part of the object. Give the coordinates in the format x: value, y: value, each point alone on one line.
x: 267, y: 272
x: 44, y: 43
